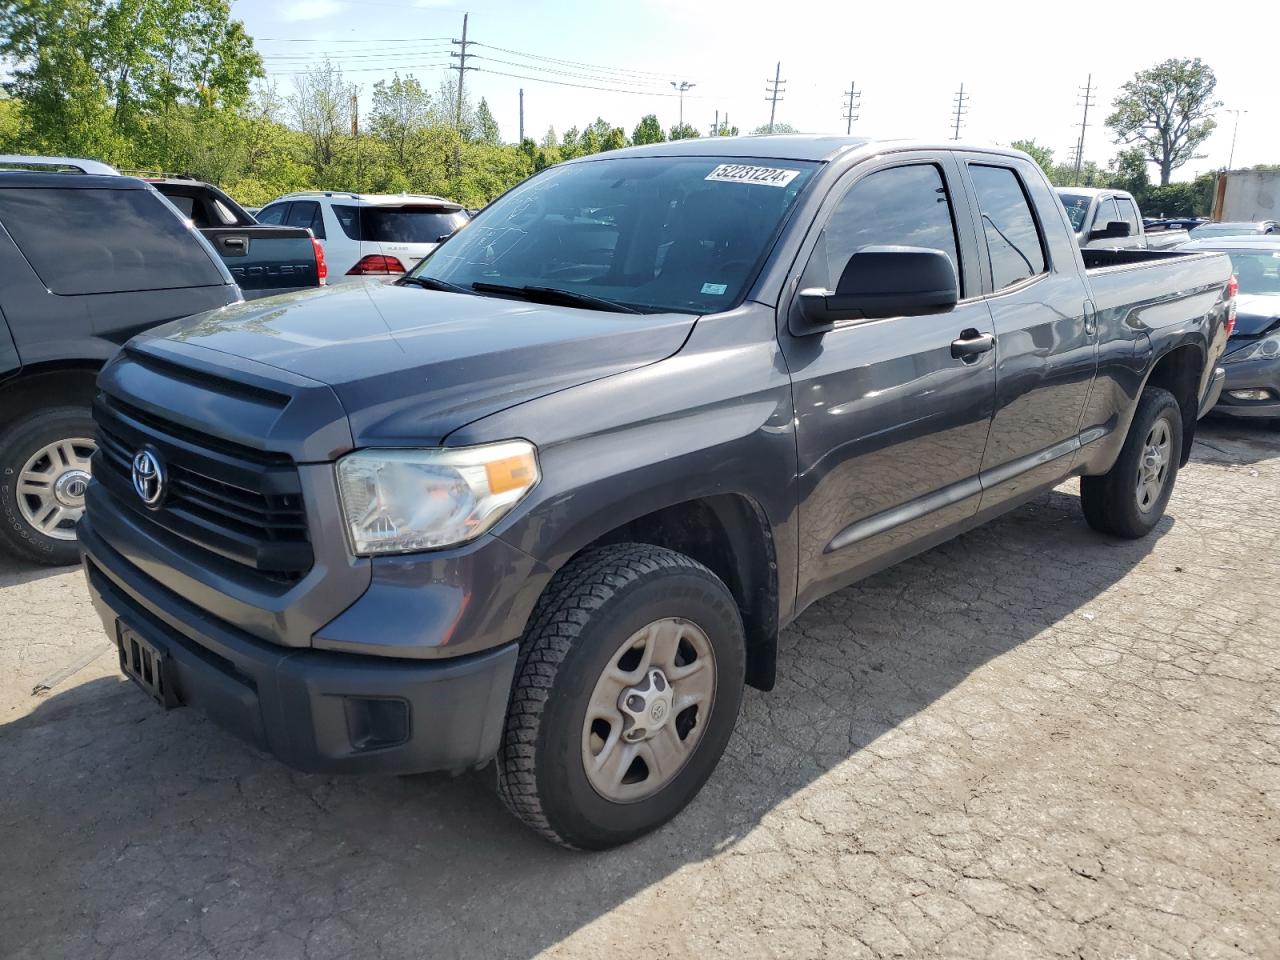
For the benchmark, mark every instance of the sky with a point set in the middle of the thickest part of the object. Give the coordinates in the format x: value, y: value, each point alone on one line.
x: 1023, y: 76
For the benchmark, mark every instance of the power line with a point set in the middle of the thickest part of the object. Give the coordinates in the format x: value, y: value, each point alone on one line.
x: 853, y: 99
x: 565, y: 83
x: 570, y: 63
x: 324, y: 40
x: 1084, y: 122
x: 401, y: 66
x: 320, y: 56
x: 561, y: 73
x: 774, y: 92
x: 960, y: 108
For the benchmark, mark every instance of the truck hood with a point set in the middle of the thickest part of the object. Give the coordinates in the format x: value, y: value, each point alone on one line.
x: 410, y: 365
x: 1256, y: 314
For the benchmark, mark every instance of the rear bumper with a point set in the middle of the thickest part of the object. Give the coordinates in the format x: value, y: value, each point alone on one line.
x: 318, y: 711
x: 1260, y: 374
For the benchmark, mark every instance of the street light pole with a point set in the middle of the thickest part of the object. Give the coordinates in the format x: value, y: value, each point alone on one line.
x: 1234, y: 130
x: 681, y: 87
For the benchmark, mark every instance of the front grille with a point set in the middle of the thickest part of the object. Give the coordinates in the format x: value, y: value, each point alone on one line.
x: 237, y: 503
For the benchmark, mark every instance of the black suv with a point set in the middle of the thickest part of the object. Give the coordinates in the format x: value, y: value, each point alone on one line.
x: 88, y: 258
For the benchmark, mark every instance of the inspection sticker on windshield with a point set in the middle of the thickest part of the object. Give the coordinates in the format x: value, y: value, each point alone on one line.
x: 744, y: 173
x: 715, y: 289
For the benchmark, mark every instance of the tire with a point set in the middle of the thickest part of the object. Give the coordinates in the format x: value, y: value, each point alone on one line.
x: 591, y: 610
x: 1111, y: 502
x: 55, y: 546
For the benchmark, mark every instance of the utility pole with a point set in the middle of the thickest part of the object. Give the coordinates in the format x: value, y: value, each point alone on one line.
x: 681, y: 87
x: 462, y: 69
x: 715, y: 127
x: 960, y: 109
x: 774, y: 91
x: 853, y: 99
x: 355, y: 132
x: 1084, y: 122
x: 522, y: 114
x: 1234, y: 130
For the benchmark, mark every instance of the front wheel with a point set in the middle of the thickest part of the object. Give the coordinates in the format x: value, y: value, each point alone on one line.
x: 628, y: 687
x: 44, y: 472
x: 1129, y: 500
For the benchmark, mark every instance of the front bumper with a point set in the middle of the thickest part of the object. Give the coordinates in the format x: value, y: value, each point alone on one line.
x: 1260, y: 374
x: 318, y: 711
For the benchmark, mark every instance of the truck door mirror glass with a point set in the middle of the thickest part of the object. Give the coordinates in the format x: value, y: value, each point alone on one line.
x: 1115, y: 230
x: 882, y: 281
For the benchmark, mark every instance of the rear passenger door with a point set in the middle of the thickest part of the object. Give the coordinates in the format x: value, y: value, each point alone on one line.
x: 891, y: 420
x: 1044, y: 326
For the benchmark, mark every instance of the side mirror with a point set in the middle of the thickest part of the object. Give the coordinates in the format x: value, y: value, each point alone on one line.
x: 1115, y: 230
x: 877, y: 282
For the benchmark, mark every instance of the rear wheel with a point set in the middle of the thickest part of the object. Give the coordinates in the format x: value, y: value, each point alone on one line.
x: 1129, y: 500
x: 628, y: 687
x: 44, y: 471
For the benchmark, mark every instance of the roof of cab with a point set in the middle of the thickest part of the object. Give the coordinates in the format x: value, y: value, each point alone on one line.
x: 799, y: 146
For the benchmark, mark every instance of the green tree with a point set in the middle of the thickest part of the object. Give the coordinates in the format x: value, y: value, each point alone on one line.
x: 401, y: 112
x: 1128, y: 171
x: 777, y: 128
x: 123, y: 79
x: 724, y: 130
x: 1167, y: 112
x: 1040, y: 154
x: 616, y: 139
x: 682, y: 131
x: 486, y: 127
x: 320, y: 107
x: 648, y: 130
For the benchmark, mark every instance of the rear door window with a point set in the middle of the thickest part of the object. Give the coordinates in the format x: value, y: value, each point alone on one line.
x: 1013, y: 238
x: 1106, y: 213
x: 306, y: 214
x: 273, y: 214
x: 105, y: 241
x: 1128, y: 213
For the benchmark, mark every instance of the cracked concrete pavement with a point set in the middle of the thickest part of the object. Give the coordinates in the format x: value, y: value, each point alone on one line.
x: 1029, y: 742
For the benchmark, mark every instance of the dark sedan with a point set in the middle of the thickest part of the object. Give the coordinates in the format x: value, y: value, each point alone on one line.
x: 1252, y: 357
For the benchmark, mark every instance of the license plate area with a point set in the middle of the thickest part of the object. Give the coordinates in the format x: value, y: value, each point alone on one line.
x: 147, y: 665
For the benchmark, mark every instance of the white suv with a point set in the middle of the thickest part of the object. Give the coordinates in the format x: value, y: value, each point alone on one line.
x: 368, y: 234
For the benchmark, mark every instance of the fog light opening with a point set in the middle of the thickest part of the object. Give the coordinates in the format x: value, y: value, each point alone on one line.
x: 374, y: 724
x: 1249, y: 394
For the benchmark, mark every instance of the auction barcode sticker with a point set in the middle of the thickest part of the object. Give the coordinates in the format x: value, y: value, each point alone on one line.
x: 744, y: 173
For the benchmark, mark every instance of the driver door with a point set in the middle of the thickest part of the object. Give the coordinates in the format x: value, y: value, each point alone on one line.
x: 891, y: 416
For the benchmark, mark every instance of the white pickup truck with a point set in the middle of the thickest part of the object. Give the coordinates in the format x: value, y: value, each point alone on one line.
x: 1109, y: 220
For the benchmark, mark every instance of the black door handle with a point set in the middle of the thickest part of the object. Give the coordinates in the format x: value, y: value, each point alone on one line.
x: 971, y: 345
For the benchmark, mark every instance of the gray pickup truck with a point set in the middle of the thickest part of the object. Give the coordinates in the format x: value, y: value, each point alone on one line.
x: 548, y: 500
x: 1109, y: 220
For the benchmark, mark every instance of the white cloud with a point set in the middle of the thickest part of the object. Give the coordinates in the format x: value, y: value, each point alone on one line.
x: 310, y: 10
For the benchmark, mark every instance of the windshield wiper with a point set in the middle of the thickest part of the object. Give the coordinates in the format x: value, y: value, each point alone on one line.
x: 555, y: 295
x: 431, y: 283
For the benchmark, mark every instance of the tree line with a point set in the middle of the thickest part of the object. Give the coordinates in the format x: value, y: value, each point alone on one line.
x: 177, y: 86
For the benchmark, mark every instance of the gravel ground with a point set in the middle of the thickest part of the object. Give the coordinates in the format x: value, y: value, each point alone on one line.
x: 1030, y: 742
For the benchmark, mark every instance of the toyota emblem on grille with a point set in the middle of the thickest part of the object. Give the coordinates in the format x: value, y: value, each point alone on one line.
x: 148, y: 476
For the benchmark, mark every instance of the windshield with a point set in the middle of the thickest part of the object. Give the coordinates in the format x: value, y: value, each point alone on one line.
x: 684, y: 234
x: 1077, y: 205
x: 1258, y: 273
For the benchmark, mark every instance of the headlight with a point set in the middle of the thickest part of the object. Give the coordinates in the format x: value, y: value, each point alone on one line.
x: 398, y: 501
x: 1267, y: 348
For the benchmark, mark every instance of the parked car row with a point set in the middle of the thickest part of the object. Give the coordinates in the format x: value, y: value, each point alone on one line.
x: 89, y: 258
